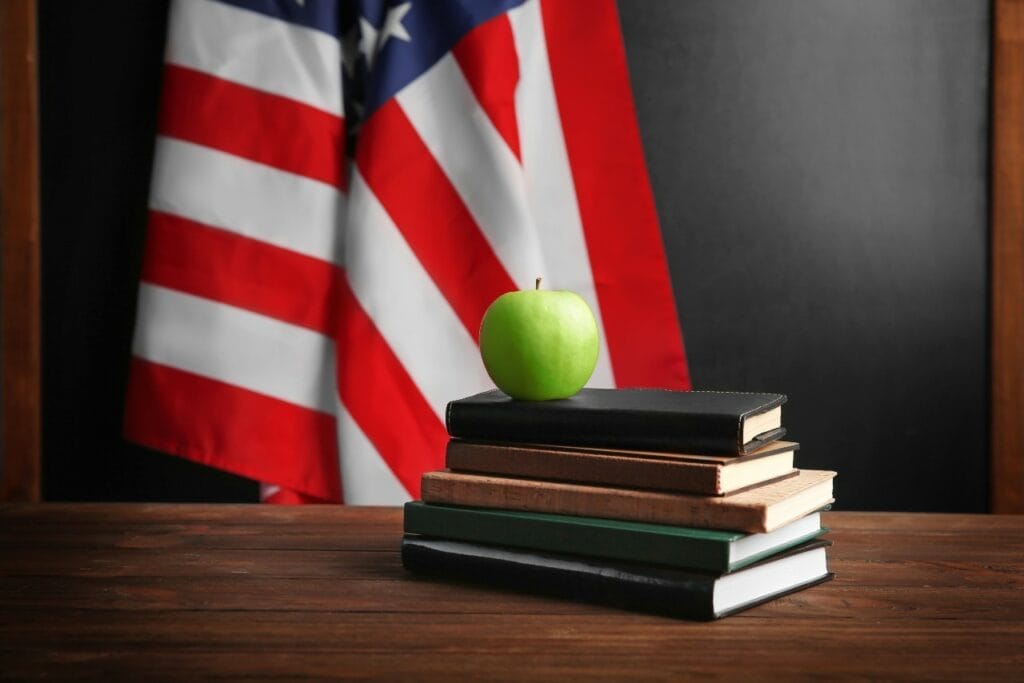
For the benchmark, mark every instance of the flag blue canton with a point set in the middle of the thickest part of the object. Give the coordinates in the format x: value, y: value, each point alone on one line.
x: 386, y: 44
x: 320, y: 15
x: 400, y: 39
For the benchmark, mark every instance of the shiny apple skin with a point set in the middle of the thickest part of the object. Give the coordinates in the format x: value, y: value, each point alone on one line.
x: 539, y: 345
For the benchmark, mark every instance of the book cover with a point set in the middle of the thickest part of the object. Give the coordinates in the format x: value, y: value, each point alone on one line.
x: 712, y: 475
x: 757, y: 510
x: 684, y: 547
x: 713, y: 422
x: 649, y: 588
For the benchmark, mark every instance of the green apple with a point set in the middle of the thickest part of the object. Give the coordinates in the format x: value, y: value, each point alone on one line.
x: 539, y: 345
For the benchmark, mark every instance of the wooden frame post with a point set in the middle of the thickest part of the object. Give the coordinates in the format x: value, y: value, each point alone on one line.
x: 19, y: 253
x: 1007, y: 267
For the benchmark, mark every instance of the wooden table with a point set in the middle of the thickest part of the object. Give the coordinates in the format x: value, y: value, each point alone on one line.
x: 186, y: 591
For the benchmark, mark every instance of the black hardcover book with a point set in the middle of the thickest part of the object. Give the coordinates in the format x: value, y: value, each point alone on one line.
x: 709, y: 422
x: 642, y: 587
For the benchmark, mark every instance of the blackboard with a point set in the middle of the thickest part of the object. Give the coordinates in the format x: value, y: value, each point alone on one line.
x: 99, y: 86
x: 820, y: 171
x: 819, y: 168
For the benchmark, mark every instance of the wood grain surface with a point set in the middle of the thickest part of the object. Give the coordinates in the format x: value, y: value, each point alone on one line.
x: 750, y: 510
x: 20, y: 361
x: 1007, y: 265
x: 181, y: 592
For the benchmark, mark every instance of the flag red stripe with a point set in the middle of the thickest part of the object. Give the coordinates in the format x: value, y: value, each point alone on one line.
x: 620, y: 224
x: 487, y: 57
x: 233, y: 429
x: 425, y: 206
x: 216, y: 264
x: 383, y: 399
x: 253, y: 124
x: 290, y: 497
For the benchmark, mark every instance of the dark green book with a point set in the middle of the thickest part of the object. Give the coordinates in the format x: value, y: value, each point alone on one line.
x: 650, y: 588
x: 704, y: 549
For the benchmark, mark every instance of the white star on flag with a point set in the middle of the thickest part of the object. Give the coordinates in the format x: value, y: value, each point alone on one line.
x: 372, y: 41
x: 351, y: 46
x: 393, y: 24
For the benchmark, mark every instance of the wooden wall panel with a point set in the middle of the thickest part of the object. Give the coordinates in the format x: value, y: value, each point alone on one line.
x: 1008, y: 257
x: 19, y: 259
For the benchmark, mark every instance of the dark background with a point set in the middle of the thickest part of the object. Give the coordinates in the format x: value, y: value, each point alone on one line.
x: 819, y: 168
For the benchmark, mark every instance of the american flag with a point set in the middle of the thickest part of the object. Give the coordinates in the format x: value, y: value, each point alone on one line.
x: 339, y: 192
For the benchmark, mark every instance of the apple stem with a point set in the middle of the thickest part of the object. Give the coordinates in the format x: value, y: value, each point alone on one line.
x: 537, y: 284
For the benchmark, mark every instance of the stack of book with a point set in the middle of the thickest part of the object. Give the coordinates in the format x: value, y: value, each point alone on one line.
x: 683, y: 503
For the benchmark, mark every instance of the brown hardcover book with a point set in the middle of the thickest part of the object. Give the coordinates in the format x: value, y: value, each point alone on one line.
x: 757, y: 510
x: 712, y: 475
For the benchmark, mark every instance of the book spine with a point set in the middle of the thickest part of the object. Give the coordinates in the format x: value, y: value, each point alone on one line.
x: 563, y: 536
x: 592, y: 468
x: 545, y: 422
x: 591, y: 501
x: 639, y: 588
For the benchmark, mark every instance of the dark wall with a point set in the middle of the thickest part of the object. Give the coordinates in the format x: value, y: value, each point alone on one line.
x: 820, y: 173
x: 99, y: 73
x: 819, y: 169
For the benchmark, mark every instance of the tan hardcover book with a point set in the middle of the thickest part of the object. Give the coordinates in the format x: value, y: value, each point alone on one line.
x: 757, y: 510
x: 712, y: 475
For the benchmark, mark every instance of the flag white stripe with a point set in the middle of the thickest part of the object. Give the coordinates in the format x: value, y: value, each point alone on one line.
x: 486, y: 174
x: 365, y: 478
x: 549, y: 183
x: 258, y: 51
x: 411, y: 313
x: 248, y: 198
x: 235, y: 346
